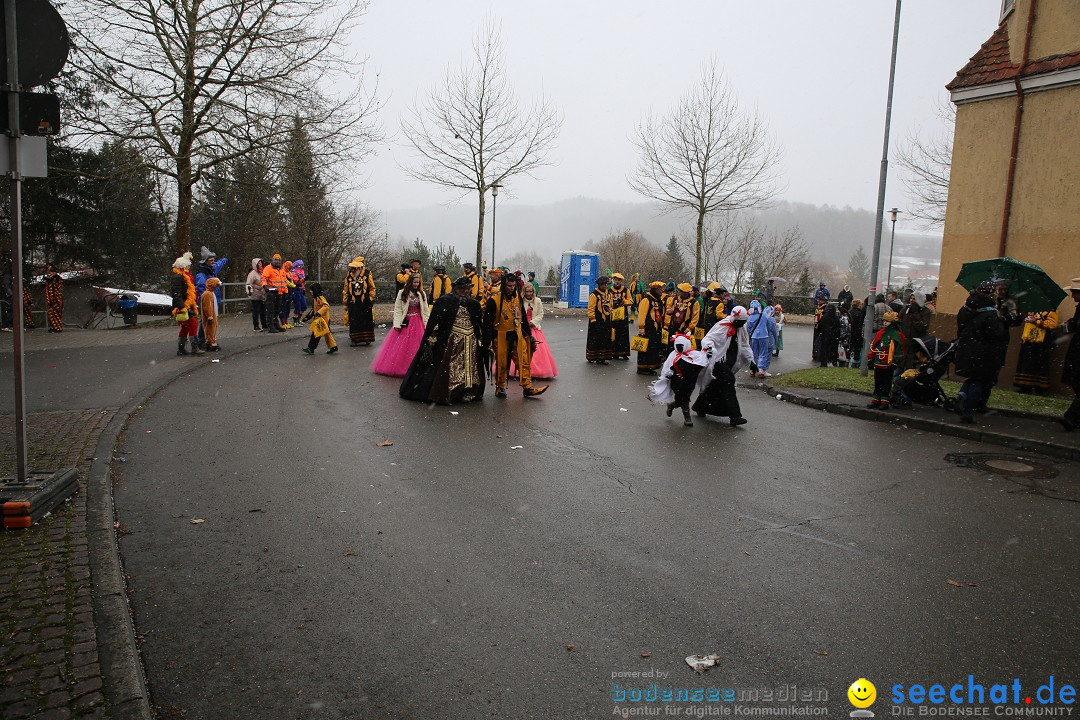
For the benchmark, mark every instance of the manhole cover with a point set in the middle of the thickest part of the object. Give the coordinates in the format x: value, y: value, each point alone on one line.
x: 1003, y: 464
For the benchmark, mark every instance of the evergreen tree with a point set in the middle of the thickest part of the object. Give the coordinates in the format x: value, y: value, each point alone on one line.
x: 552, y: 275
x: 96, y: 209
x: 757, y: 277
x: 308, y: 210
x: 420, y: 251
x: 805, y: 285
x: 672, y: 267
x: 858, y: 271
x: 448, y: 255
x: 238, y: 216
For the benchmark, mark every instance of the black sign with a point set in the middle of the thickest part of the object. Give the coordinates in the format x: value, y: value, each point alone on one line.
x: 39, y: 113
x: 42, y: 38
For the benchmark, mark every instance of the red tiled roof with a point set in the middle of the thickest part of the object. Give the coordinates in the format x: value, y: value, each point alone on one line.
x: 992, y: 64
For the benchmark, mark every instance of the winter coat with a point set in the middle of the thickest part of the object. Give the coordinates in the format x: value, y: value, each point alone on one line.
x: 205, y: 272
x: 982, y: 339
x: 401, y: 307
x: 915, y: 320
x: 761, y: 325
x: 255, y: 289
x: 182, y: 290
x: 1071, y: 371
x: 857, y: 318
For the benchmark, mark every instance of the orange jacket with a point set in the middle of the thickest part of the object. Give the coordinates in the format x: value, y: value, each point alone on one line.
x: 275, y: 279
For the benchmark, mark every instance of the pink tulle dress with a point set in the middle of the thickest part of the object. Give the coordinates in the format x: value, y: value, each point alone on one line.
x: 543, y: 362
x: 399, y: 348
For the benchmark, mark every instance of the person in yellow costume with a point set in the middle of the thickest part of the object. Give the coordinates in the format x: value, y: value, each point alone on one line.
x: 506, y: 323
x: 598, y: 341
x: 320, y: 308
x: 682, y: 313
x: 621, y: 302
x: 476, y: 283
x: 358, y: 294
x: 440, y: 284
x: 650, y: 316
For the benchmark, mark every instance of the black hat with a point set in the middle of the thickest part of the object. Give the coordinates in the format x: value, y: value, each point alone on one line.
x: 406, y: 266
x: 463, y: 282
x: 440, y: 268
x: 603, y: 280
x: 316, y: 289
x: 468, y: 266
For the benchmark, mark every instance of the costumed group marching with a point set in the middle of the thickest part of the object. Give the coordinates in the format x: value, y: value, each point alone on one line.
x: 449, y: 339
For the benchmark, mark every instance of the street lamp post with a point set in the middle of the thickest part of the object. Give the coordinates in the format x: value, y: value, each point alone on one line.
x: 868, y: 327
x: 494, y: 206
x: 892, y: 239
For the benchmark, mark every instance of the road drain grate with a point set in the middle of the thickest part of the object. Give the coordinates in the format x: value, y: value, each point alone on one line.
x: 1004, y: 464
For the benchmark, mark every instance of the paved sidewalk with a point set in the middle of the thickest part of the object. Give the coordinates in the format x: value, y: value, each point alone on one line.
x: 1019, y: 431
x: 51, y: 665
x: 48, y: 645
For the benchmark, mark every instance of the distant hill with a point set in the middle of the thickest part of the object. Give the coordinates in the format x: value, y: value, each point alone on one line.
x: 833, y: 233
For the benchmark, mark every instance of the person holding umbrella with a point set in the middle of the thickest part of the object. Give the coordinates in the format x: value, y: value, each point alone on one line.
x: 1071, y: 372
x: 982, y: 341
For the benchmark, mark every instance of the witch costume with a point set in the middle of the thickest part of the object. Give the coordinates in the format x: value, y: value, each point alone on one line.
x: 727, y: 347
x: 678, y: 377
x: 449, y: 366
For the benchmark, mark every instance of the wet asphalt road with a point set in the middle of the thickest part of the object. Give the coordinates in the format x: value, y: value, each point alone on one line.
x: 457, y: 575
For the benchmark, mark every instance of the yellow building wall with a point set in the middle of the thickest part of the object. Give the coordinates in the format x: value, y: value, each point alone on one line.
x: 980, y: 165
x: 1044, y: 225
x: 1056, y: 32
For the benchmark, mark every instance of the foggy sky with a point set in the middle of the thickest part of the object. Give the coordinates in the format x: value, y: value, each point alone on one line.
x: 816, y: 71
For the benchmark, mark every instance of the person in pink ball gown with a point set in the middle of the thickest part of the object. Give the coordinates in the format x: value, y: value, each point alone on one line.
x: 543, y: 362
x: 401, y: 343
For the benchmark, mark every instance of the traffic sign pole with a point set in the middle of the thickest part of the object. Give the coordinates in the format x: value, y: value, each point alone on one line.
x: 12, y: 49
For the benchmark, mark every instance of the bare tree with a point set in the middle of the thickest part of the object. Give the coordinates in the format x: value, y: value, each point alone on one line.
x: 784, y: 253
x: 718, y: 245
x: 471, y: 134
x: 198, y: 83
x: 628, y: 252
x: 749, y: 239
x: 706, y: 155
x: 926, y: 163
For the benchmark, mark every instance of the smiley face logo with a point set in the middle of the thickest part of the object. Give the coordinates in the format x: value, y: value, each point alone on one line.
x: 862, y: 693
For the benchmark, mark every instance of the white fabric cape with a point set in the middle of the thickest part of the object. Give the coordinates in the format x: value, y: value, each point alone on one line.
x: 660, y: 391
x: 718, y: 336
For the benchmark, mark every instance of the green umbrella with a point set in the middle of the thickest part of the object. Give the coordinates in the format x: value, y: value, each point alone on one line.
x: 1029, y: 285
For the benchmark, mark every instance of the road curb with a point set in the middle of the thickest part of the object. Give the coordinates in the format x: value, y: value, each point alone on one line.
x: 121, y: 665
x: 916, y: 423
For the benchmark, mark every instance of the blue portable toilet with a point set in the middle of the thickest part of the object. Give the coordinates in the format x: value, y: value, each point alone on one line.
x: 578, y: 273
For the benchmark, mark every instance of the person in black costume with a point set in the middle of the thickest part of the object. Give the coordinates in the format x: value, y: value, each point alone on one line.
x: 449, y: 367
x: 727, y: 346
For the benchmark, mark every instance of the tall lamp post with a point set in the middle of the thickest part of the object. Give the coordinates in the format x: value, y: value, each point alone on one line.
x: 892, y: 239
x: 494, y: 206
x: 868, y: 327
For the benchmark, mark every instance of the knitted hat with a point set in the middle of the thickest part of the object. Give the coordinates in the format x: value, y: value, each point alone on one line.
x: 275, y: 256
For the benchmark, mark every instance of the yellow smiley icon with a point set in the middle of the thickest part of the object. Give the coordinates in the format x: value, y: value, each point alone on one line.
x: 862, y: 693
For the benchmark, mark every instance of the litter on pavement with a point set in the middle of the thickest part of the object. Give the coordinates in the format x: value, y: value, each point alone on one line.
x: 701, y: 663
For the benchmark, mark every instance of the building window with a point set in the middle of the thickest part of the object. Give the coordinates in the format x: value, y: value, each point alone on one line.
x: 1006, y: 8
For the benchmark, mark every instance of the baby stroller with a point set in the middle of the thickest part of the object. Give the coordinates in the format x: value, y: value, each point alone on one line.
x: 921, y: 383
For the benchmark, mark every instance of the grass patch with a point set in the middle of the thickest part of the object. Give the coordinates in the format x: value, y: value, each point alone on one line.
x: 834, y: 378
